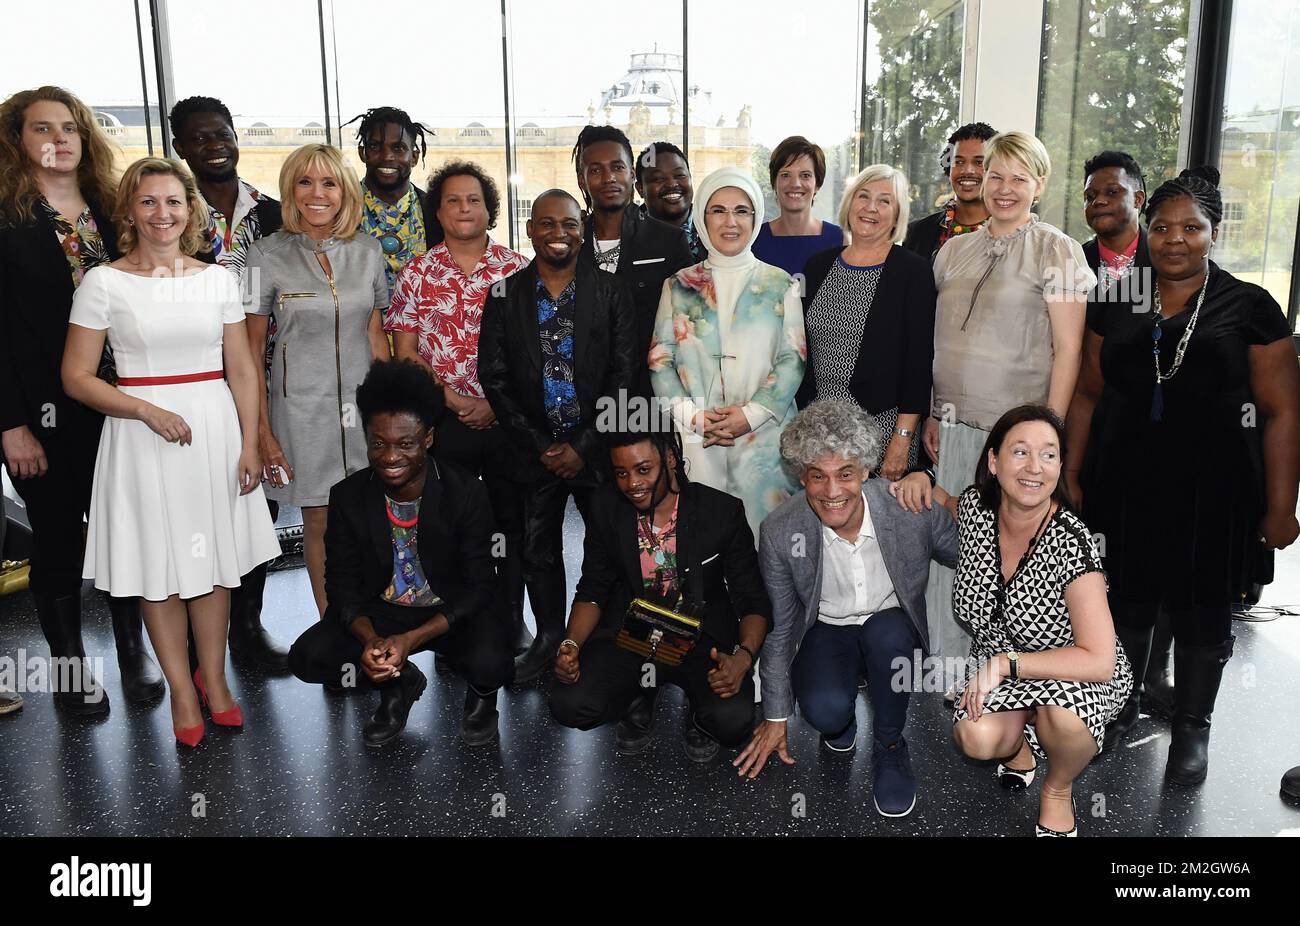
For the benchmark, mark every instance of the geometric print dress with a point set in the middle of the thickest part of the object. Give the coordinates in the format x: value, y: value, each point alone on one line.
x: 1034, y: 618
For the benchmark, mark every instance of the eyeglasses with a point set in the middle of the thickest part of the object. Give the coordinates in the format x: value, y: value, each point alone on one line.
x: 740, y: 212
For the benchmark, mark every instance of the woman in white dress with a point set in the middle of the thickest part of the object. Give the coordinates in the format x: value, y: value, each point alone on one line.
x: 176, y: 515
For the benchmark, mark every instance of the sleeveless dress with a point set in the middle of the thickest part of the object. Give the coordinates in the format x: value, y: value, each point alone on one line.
x: 167, y: 519
x: 1034, y: 617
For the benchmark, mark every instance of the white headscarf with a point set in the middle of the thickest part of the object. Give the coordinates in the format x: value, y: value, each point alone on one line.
x: 743, y: 181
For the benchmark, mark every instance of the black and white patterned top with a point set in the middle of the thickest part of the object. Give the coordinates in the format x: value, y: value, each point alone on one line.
x: 834, y: 324
x: 1032, y: 616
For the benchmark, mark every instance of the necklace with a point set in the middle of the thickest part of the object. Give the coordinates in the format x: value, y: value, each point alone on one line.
x: 399, y: 522
x: 1157, y: 396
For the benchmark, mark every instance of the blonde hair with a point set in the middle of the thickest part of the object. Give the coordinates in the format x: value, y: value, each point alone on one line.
x: 194, y: 238
x: 96, y: 177
x: 897, y: 180
x: 331, y: 160
x: 1022, y: 148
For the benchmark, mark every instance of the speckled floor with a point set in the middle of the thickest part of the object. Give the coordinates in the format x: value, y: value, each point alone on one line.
x: 299, y: 767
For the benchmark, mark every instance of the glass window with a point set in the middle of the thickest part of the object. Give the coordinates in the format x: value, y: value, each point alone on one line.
x: 1260, y: 151
x: 223, y: 53
x: 98, y: 59
x: 1111, y: 78
x: 773, y: 72
x: 448, y: 80
x: 914, y: 59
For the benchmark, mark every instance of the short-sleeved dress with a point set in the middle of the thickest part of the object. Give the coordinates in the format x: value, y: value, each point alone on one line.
x: 1183, y: 531
x: 166, y: 518
x: 322, y: 352
x: 1034, y: 617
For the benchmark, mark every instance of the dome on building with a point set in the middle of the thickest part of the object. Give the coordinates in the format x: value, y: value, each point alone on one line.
x: 654, y: 81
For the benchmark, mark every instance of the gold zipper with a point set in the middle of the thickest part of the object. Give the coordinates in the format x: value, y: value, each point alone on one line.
x: 284, y: 351
x: 338, y: 370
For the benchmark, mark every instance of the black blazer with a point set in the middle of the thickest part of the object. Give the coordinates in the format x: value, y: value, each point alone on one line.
x: 922, y: 236
x: 713, y: 539
x: 1092, y: 253
x: 896, y: 358
x: 510, y: 361
x: 269, y: 220
x: 35, y: 301
x: 454, y: 541
x: 650, y: 251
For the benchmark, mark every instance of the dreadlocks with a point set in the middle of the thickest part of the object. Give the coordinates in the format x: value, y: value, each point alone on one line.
x: 592, y: 134
x: 389, y: 115
x: 1201, y: 184
x: 664, y: 441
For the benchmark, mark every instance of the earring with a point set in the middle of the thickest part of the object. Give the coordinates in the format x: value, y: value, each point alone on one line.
x: 130, y: 221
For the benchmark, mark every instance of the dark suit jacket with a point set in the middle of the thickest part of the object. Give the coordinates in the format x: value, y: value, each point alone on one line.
x: 713, y: 541
x: 922, y: 236
x: 1092, y: 252
x: 35, y: 301
x: 269, y: 221
x: 896, y: 357
x: 650, y: 251
x: 454, y: 540
x: 510, y: 361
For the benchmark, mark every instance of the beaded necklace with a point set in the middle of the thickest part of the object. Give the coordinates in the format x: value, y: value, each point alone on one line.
x: 1158, y: 396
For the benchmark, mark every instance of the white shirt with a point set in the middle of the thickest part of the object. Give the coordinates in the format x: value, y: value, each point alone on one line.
x: 855, y: 583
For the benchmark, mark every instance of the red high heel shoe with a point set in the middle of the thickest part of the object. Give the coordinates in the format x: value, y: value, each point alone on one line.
x: 231, y: 718
x: 190, y: 736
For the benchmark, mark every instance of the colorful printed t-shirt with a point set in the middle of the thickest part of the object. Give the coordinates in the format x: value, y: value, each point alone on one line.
x: 657, y: 547
x: 409, y: 586
x: 84, y: 249
x: 399, y: 229
x: 555, y: 322
x: 231, y: 236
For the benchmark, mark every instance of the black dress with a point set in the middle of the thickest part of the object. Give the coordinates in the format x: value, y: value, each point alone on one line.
x: 1177, y: 503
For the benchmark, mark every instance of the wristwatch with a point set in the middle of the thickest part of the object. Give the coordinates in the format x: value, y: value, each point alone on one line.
x: 903, y: 432
x: 1013, y: 660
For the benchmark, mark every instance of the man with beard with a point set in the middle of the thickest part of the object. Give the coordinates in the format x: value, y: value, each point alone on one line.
x: 393, y: 208
x: 962, y: 160
x: 409, y: 567
x: 656, y: 535
x: 555, y: 340
x: 203, y: 134
x: 619, y: 239
x: 663, y: 181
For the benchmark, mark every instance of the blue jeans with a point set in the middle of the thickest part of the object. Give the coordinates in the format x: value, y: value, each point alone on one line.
x: 832, y: 658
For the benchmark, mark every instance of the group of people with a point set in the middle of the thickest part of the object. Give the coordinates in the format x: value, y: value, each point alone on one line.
x: 842, y: 448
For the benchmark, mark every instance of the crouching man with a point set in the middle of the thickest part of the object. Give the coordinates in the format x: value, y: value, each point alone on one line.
x: 846, y: 568
x: 408, y: 567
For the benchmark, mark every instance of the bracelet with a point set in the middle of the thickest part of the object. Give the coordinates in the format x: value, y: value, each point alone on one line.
x: 567, y: 642
x: 753, y: 660
x: 903, y: 432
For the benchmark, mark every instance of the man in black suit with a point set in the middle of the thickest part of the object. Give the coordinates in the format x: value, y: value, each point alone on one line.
x: 620, y: 238
x: 1114, y: 193
x: 203, y: 133
x: 555, y: 339
x: 962, y: 162
x: 657, y: 536
x: 408, y: 567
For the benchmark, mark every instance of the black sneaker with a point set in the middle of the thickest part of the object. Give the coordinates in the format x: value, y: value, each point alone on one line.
x: 894, y: 785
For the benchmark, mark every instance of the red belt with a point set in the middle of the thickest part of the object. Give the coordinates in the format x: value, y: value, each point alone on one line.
x: 170, y: 380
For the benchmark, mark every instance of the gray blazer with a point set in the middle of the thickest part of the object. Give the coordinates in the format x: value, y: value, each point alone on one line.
x: 790, y: 553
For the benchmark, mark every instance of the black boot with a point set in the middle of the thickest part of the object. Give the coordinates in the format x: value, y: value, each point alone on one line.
x: 76, y: 691
x: 478, y: 726
x: 634, y: 732
x: 1200, y: 671
x: 1137, y: 645
x: 522, y: 636
x: 1158, y: 686
x: 141, y: 680
x: 248, y: 638
x: 699, y: 746
x: 396, y: 698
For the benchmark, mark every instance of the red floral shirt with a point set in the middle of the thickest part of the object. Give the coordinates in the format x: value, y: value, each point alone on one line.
x: 436, y: 301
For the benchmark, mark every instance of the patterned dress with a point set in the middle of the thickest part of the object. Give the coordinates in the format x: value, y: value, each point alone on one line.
x: 732, y: 337
x: 1034, y: 617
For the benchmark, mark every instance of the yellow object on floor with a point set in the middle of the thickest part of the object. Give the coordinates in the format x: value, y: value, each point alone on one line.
x: 13, y: 576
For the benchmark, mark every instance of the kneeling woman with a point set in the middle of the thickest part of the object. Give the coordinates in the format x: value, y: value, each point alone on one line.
x: 1047, y: 673
x: 657, y: 536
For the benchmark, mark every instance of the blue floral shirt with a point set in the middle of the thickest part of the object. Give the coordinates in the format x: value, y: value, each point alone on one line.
x: 555, y: 323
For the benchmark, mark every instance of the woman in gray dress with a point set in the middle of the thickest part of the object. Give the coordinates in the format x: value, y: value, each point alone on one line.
x: 326, y: 286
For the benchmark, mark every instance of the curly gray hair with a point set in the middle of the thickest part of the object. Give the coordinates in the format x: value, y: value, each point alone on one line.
x: 831, y: 426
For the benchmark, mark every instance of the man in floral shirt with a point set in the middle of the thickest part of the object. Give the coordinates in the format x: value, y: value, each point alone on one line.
x: 434, y: 319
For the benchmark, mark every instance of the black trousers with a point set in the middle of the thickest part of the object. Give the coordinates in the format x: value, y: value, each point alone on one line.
x: 610, y: 678
x: 1198, y: 625
x: 58, y: 502
x: 489, y: 454
x: 478, y: 647
x: 544, y: 503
